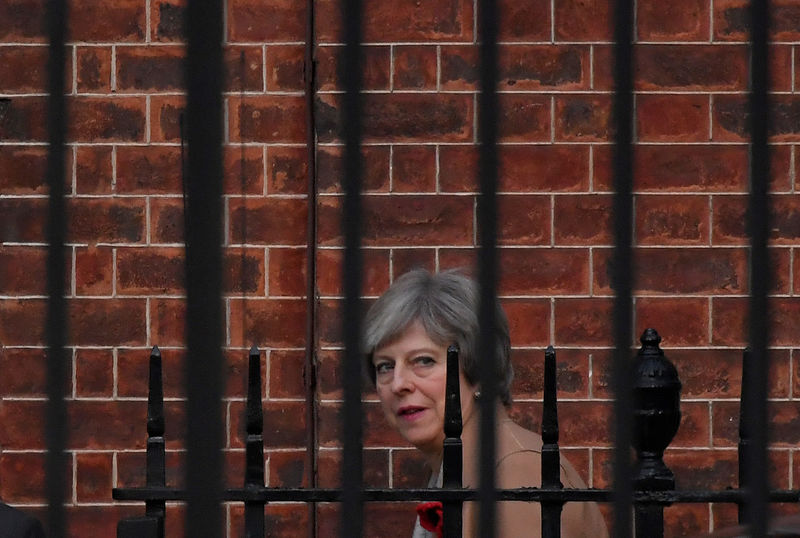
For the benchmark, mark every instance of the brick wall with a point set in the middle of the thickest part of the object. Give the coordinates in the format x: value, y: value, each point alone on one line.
x: 125, y: 256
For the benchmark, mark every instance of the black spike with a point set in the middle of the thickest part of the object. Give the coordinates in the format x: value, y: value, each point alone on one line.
x: 254, y: 445
x: 551, y: 464
x: 156, y: 455
x: 452, y: 454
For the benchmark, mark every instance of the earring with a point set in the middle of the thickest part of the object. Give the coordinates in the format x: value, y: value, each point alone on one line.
x: 477, y: 395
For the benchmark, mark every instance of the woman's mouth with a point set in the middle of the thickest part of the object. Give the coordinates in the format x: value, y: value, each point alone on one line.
x: 410, y: 412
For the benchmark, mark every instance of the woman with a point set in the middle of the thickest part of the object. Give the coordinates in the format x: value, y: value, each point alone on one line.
x: 407, y: 331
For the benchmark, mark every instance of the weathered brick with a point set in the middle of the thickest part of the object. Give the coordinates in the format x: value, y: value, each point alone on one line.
x: 413, y: 169
x: 572, y: 373
x: 275, y: 221
x: 376, y: 464
x: 287, y: 374
x: 287, y: 272
x: 684, y: 20
x: 269, y: 118
x: 783, y: 419
x: 243, y: 272
x: 133, y: 374
x: 285, y: 67
x: 672, y: 118
x: 375, y: 171
x: 523, y: 220
x: 406, y: 117
x: 406, y: 259
x: 251, y: 21
x: 268, y: 322
x: 22, y: 219
x: 284, y: 424
x: 24, y: 477
x: 103, y: 322
x: 23, y: 169
x: 23, y: 21
x: 716, y: 469
x: 94, y: 69
x: 582, y: 219
x: 281, y: 519
x: 30, y: 372
x: 672, y: 220
x: 731, y: 21
x: 150, y: 271
x: 696, y: 67
x: 93, y: 169
x: 243, y: 170
x: 167, y: 322
x: 524, y: 118
x: 165, y: 118
x: 21, y: 119
x: 243, y: 66
x: 123, y: 21
x: 528, y: 321
x: 93, y: 476
x: 149, y: 169
x: 23, y: 69
x: 377, y: 432
x: 287, y: 170
x: 96, y: 119
x: 375, y: 71
x: 96, y: 220
x: 22, y: 425
x: 94, y: 373
x: 21, y: 322
x: 521, y: 67
x: 414, y: 67
x: 524, y: 21
x: 685, y: 520
x: 410, y: 220
x: 152, y: 69
x: 679, y: 271
x: 729, y: 320
x: 166, y: 220
x: 167, y: 19
x: 523, y: 168
x: 375, y: 275
x: 583, y: 118
x: 580, y: 20
x: 695, y: 426
x: 731, y: 116
x: 449, y: 20
x: 684, y: 319
x: 94, y: 271
x: 582, y: 321
x: 23, y: 270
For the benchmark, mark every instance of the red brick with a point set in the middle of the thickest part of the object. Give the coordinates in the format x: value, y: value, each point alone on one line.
x: 150, y: 271
x: 151, y: 69
x: 523, y: 220
x: 101, y: 520
x: 695, y: 426
x: 583, y: 321
x: 116, y: 424
x: 583, y: 20
x: 22, y: 426
x: 672, y: 220
x: 679, y: 271
x: 21, y: 119
x: 167, y: 20
x: 287, y: 374
x: 133, y: 367
x: 30, y: 372
x: 106, y: 220
x: 583, y: 118
x: 524, y: 21
x: 406, y: 259
x: 243, y: 273
x: 243, y: 68
x: 415, y: 67
x: 287, y: 469
x: 691, y: 67
x: 282, y: 520
x: 524, y: 118
x: 685, y: 20
x: 255, y: 21
x: 23, y: 69
x: 269, y: 322
x: 522, y: 168
x: 94, y: 271
x: 543, y: 271
x: 23, y: 21
x: 730, y: 220
x: 329, y: 382
x: 584, y: 423
x: 24, y: 477
x: 730, y: 118
x: 149, y: 169
x: 413, y: 169
x: 783, y: 418
x: 686, y: 520
x: 131, y: 468
x: 451, y: 20
x: 582, y: 219
x: 94, y: 69
x: 167, y: 322
x: 123, y: 20
x: 695, y: 469
x: 572, y: 371
x: 94, y: 373
x: 22, y: 322
x: 96, y: 119
x: 284, y: 424
x: 239, y: 161
x: 165, y: 114
x: 406, y: 117
x: 375, y: 70
x: 93, y: 476
x: 375, y: 171
x: 23, y: 270
x: 731, y: 20
x: 103, y: 322
x: 93, y: 169
x: 377, y: 432
x: 780, y: 68
x: 528, y: 321
x: 268, y: 118
x: 274, y: 221
x: 522, y: 67
x: 285, y: 67
x: 287, y: 272
x: 681, y: 320
x: 23, y: 169
x: 375, y: 276
x: 287, y: 170
x: 729, y: 321
x: 672, y: 118
x: 166, y: 220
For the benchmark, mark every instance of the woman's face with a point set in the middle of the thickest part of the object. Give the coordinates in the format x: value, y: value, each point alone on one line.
x: 410, y: 376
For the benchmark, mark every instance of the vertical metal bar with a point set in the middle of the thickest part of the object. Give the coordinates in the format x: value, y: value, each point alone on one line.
x: 352, y: 465
x: 551, y: 462
x: 204, y: 364
x: 745, y: 443
x: 488, y: 17
x: 156, y: 455
x: 760, y: 276
x: 254, y: 446
x: 452, y: 454
x: 56, y: 320
x: 622, y: 261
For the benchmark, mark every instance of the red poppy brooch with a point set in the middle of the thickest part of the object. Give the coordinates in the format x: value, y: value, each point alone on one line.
x: 430, y: 517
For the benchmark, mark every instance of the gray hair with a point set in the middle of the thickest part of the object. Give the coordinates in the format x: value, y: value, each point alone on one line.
x: 446, y: 304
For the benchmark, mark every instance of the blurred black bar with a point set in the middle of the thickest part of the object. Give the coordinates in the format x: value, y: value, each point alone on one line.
x: 757, y: 368
x: 452, y: 454
x: 352, y: 511
x: 745, y: 443
x: 254, y: 446
x: 156, y: 455
x: 138, y: 527
x: 56, y: 321
x: 551, y: 461
x: 623, y: 269
x: 488, y: 114
x: 204, y: 361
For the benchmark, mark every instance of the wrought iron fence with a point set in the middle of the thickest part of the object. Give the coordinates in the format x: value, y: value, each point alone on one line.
x: 639, y: 398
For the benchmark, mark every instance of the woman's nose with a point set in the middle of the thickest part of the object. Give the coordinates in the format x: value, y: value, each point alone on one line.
x: 401, y: 381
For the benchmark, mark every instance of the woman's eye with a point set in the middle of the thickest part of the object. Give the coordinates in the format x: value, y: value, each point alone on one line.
x: 425, y: 360
x: 383, y: 367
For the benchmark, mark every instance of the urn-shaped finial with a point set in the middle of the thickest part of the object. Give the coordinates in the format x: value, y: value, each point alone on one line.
x: 657, y: 413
